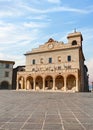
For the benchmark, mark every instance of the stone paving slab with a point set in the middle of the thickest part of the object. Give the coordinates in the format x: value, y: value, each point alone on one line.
x: 26, y: 110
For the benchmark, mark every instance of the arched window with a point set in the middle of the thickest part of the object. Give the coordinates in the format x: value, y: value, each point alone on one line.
x: 74, y: 42
x: 59, y: 59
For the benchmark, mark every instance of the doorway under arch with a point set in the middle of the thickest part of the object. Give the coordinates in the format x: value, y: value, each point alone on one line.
x: 4, y: 85
x: 59, y: 82
x: 29, y: 83
x: 39, y: 82
x: 71, y: 82
x: 48, y: 82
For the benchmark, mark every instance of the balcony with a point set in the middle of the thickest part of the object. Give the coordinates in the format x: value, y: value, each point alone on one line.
x: 49, y: 69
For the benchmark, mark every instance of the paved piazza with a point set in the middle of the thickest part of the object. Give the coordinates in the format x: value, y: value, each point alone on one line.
x: 26, y: 110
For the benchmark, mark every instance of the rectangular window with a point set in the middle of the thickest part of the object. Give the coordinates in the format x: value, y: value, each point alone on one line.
x: 69, y: 58
x: 6, y: 74
x: 33, y: 61
x: 7, y: 66
x: 50, y: 60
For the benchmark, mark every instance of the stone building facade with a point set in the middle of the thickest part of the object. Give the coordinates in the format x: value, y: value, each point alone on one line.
x: 6, y: 71
x: 55, y: 66
x: 14, y: 77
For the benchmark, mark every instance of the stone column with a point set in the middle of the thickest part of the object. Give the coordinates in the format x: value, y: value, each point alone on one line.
x: 22, y: 83
x: 65, y: 84
x: 43, y: 84
x: 77, y: 84
x: 25, y: 84
x: 53, y: 83
x: 34, y: 84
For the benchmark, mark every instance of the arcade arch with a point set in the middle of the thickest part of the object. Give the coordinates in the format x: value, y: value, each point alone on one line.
x: 71, y: 82
x: 21, y: 82
x: 29, y: 82
x: 39, y: 82
x: 48, y: 82
x: 59, y: 82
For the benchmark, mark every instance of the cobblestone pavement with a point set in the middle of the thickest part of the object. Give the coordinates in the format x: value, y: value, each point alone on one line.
x: 26, y: 110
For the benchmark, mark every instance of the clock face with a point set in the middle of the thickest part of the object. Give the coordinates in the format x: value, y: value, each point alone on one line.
x: 50, y: 46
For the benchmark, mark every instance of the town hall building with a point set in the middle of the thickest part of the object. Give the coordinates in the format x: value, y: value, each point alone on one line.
x: 55, y: 66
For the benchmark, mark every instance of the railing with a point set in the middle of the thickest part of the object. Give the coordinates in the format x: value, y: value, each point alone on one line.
x: 71, y: 70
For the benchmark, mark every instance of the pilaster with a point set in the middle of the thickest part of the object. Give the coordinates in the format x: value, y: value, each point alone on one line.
x: 25, y: 84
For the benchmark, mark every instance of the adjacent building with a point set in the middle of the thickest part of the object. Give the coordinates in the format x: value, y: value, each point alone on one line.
x: 55, y: 66
x: 14, y: 78
x: 6, y: 70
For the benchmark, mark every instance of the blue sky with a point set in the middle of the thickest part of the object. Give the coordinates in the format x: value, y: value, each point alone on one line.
x: 25, y: 24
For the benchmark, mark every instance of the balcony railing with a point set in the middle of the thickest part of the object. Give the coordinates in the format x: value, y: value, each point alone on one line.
x: 57, y: 69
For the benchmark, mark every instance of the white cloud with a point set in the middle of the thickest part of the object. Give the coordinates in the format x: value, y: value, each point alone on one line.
x: 19, y: 59
x: 68, y: 23
x: 54, y: 1
x: 20, y: 8
x: 11, y: 33
x: 14, y: 41
x: 5, y: 0
x: 38, y: 17
x: 53, y: 9
x: 6, y: 13
x: 35, y: 25
x: 11, y: 12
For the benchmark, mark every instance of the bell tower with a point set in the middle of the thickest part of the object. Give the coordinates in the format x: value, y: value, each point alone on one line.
x: 75, y: 38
